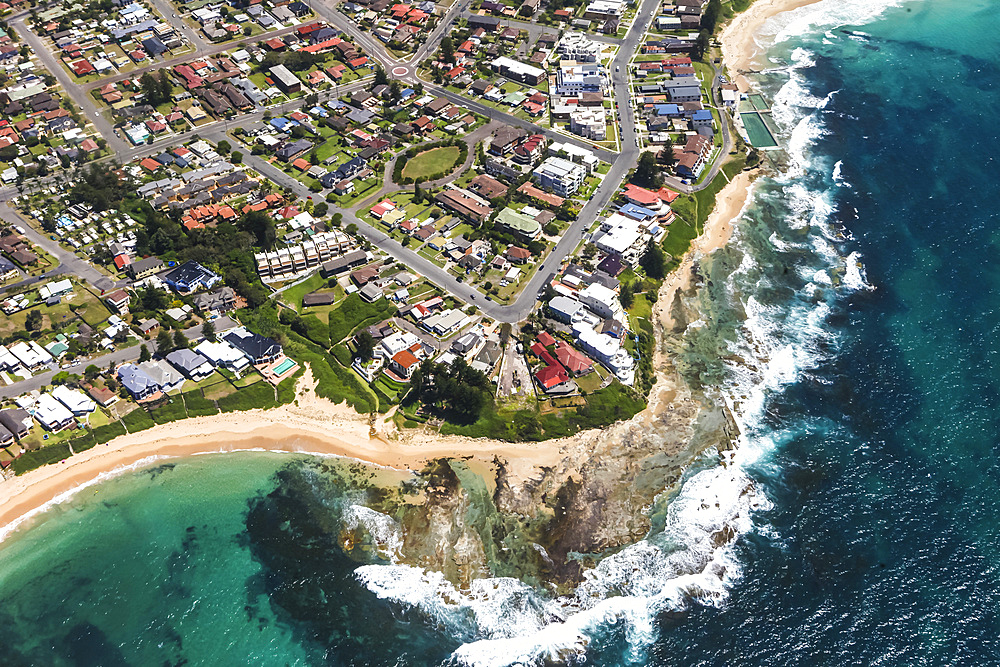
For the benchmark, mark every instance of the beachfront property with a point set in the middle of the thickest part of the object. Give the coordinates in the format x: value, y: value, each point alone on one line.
x: 75, y: 400
x: 258, y: 349
x: 136, y: 382
x: 222, y: 355
x: 193, y: 365
x: 52, y: 414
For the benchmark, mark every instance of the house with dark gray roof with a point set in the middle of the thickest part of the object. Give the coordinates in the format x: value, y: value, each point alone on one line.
x: 258, y: 349
x: 190, y: 276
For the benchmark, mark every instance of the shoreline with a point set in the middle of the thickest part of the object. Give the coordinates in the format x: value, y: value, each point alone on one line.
x: 380, y: 444
x: 741, y: 52
x: 315, y: 419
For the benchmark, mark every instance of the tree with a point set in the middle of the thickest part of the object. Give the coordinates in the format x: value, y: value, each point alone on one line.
x: 91, y: 372
x: 418, y: 195
x: 647, y: 173
x: 320, y: 209
x: 352, y: 229
x: 381, y: 78
x: 208, y: 330
x: 164, y: 342
x: 33, y: 321
x: 365, y: 344
x: 236, y: 157
x: 153, y: 299
x: 144, y: 353
x: 247, y: 30
x: 261, y: 226
x: 447, y: 50
x: 710, y: 18
x: 654, y: 261
x: 701, y: 44
x: 223, y: 147
x: 626, y: 296
x: 180, y: 340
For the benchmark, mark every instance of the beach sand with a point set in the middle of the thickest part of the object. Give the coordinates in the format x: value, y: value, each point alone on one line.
x: 718, y: 230
x: 309, y: 425
x: 740, y: 49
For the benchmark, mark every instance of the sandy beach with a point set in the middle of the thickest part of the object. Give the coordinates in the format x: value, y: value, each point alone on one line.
x: 740, y: 49
x: 309, y: 425
x: 718, y: 230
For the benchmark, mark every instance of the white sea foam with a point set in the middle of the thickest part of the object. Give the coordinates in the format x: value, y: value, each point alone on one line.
x: 828, y: 15
x: 854, y: 274
x: 383, y: 530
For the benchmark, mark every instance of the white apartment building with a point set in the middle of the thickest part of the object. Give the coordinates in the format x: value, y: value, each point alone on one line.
x: 577, y: 46
x: 589, y: 122
x: 561, y: 176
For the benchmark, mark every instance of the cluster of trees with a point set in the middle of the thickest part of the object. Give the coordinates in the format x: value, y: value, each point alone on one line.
x: 100, y: 187
x: 455, y: 390
x: 295, y: 61
x: 227, y: 248
x: 654, y: 261
x: 711, y: 15
x: 647, y: 173
x: 156, y: 87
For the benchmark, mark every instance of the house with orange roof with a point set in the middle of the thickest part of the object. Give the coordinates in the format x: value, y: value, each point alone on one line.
x: 150, y: 164
x: 301, y: 164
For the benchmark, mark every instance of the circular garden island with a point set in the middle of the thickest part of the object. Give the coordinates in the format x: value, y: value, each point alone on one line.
x: 429, y: 163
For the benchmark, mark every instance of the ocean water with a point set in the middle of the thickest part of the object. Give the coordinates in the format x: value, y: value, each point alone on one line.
x: 852, y: 326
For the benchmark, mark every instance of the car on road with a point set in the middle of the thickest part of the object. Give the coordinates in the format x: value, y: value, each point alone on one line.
x: 618, y: 68
x: 18, y: 229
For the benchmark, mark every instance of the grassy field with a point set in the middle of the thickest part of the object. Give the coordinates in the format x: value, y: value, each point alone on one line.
x: 434, y: 161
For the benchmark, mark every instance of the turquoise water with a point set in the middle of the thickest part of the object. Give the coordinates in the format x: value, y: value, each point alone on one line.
x: 283, y: 366
x: 852, y: 325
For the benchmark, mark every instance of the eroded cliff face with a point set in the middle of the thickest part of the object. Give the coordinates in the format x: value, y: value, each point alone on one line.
x: 546, y: 525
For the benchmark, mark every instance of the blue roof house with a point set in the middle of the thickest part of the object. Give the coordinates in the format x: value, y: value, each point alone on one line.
x: 136, y: 382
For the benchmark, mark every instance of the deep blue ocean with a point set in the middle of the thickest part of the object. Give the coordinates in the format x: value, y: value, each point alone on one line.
x: 852, y: 325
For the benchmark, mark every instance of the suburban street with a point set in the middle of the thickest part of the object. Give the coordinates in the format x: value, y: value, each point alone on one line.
x: 621, y: 162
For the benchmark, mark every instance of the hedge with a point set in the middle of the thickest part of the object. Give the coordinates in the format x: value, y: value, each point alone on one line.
x: 137, y: 420
x: 108, y: 432
x: 197, y: 405
x: 39, y: 457
x: 83, y: 442
x: 168, y: 412
x: 257, y: 395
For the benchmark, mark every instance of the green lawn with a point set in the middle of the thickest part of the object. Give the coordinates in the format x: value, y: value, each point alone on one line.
x: 434, y: 161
